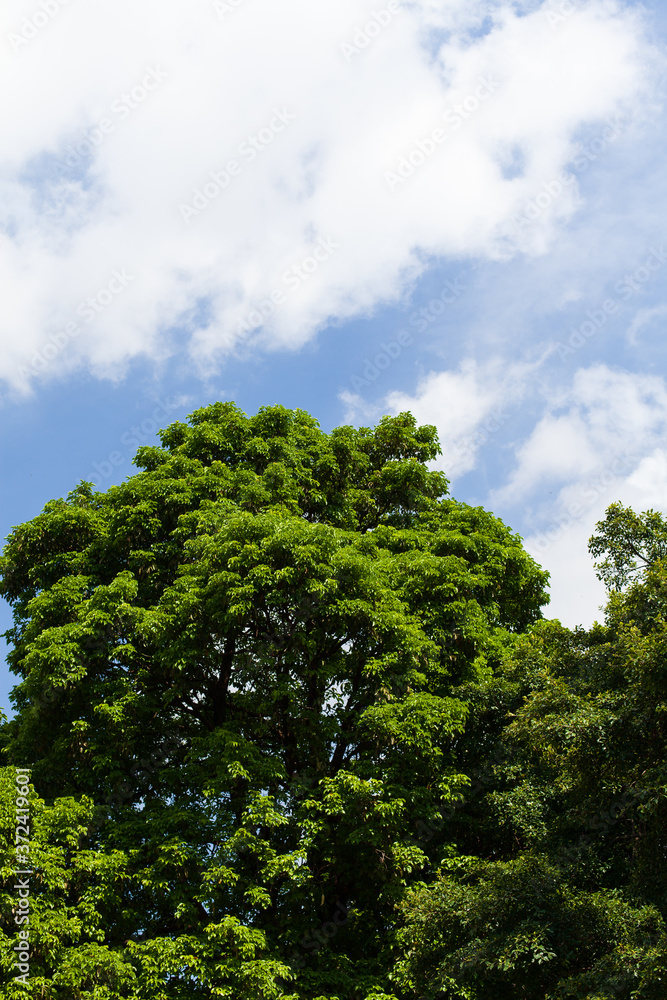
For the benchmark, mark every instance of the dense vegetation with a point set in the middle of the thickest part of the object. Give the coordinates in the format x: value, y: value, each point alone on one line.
x: 297, y: 729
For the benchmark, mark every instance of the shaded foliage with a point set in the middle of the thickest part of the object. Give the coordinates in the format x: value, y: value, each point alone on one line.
x: 558, y: 884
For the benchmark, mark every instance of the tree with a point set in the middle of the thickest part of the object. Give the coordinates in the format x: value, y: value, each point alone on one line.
x: 523, y: 930
x: 557, y: 886
x: 630, y: 542
x: 237, y: 699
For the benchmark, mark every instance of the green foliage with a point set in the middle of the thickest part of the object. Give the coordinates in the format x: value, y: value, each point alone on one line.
x: 557, y: 887
x: 244, y: 679
x: 521, y: 929
x: 297, y: 731
x: 630, y: 542
x: 74, y: 892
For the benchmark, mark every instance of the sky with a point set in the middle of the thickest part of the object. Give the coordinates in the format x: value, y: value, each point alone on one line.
x: 453, y: 207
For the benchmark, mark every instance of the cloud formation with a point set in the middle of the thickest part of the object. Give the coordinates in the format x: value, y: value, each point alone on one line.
x: 603, y: 423
x: 172, y: 173
x: 599, y: 437
x: 469, y: 406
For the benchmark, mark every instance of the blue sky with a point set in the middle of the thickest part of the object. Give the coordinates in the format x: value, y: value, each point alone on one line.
x: 451, y: 207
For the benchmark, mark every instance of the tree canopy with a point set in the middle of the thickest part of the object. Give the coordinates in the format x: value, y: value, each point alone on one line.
x: 297, y: 729
x: 237, y: 696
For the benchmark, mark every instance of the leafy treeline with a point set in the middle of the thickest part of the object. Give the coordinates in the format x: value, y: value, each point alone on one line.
x: 297, y: 729
x: 556, y: 886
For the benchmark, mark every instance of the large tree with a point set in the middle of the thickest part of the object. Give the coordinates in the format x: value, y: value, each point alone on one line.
x: 240, y: 677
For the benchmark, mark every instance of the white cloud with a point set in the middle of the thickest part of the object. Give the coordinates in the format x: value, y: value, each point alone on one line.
x: 646, y: 488
x: 605, y: 416
x: 322, y: 177
x: 576, y: 594
x: 357, y: 409
x: 562, y: 548
x: 468, y: 406
x: 642, y: 319
x: 605, y: 445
